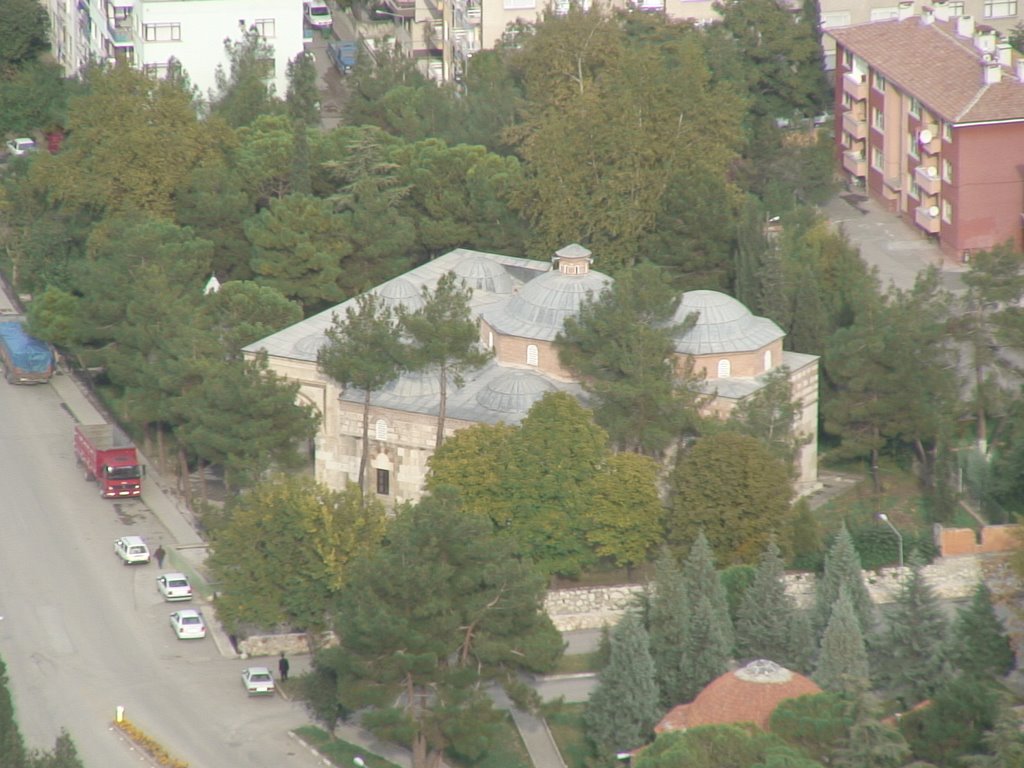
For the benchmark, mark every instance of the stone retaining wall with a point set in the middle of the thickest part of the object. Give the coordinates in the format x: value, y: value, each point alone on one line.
x: 953, y: 578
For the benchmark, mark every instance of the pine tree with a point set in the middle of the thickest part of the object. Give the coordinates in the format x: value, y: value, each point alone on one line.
x: 667, y: 627
x: 1005, y: 743
x: 624, y: 707
x: 701, y: 579
x: 706, y: 652
x: 913, y: 649
x: 871, y: 743
x: 843, y: 570
x: 978, y: 642
x: 843, y: 663
x: 12, y: 748
x: 765, y: 628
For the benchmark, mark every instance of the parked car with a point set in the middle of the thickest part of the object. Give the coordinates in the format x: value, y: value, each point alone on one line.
x: 188, y: 624
x: 19, y: 147
x: 174, y: 587
x: 131, y: 549
x: 318, y: 15
x: 258, y: 681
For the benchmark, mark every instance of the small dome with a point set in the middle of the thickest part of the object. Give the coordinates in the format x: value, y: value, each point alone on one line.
x: 514, y: 392
x: 400, y: 293
x: 419, y: 384
x: 309, y: 346
x: 483, y: 274
x: 723, y: 325
x: 539, y: 310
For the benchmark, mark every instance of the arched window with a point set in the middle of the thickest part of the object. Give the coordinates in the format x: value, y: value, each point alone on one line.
x: 490, y: 339
x: 532, y: 355
x: 724, y: 368
x: 381, y: 429
x: 767, y: 360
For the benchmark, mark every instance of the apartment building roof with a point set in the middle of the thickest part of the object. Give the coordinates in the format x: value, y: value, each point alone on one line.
x: 941, y: 69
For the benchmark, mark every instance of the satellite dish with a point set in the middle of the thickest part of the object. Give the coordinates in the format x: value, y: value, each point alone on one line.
x: 933, y: 211
x: 925, y: 136
x: 932, y: 172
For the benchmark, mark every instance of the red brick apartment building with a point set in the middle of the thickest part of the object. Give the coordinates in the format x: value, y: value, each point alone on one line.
x: 930, y: 121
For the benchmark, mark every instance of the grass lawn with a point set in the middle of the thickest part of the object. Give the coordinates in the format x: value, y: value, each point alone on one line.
x: 576, y: 663
x: 337, y: 751
x: 565, y: 721
x: 859, y: 507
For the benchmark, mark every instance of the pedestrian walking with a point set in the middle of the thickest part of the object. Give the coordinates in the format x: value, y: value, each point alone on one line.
x: 159, y: 554
x: 282, y: 667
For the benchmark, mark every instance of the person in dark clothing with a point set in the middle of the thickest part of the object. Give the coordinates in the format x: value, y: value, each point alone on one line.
x: 282, y: 667
x: 159, y: 554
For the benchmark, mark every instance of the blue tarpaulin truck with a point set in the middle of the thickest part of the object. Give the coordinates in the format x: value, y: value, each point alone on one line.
x: 25, y: 360
x: 344, y: 54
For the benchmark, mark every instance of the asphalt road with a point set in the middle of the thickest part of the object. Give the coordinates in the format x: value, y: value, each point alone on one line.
x: 82, y: 634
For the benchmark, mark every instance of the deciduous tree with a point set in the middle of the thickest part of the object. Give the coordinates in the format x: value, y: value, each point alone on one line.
x: 25, y: 27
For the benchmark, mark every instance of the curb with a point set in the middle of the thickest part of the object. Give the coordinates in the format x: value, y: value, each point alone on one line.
x: 572, y: 676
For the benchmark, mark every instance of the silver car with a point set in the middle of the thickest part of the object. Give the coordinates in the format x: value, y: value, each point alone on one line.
x: 258, y: 681
x: 174, y: 587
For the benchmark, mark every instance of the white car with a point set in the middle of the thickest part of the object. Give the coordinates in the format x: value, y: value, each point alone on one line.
x: 318, y: 15
x: 188, y: 624
x: 258, y: 681
x: 19, y: 147
x: 174, y: 586
x: 131, y: 549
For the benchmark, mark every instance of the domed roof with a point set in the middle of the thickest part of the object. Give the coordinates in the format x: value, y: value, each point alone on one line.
x: 746, y: 695
x: 482, y: 274
x: 514, y: 392
x: 539, y: 310
x: 417, y: 384
x: 309, y: 346
x: 400, y: 293
x: 723, y: 325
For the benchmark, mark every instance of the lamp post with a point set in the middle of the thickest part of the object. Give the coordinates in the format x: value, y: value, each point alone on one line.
x: 899, y: 537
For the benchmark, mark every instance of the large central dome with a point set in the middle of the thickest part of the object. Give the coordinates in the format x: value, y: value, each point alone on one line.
x: 723, y: 325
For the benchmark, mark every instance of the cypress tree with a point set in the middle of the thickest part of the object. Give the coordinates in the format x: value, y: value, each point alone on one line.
x: 913, y: 657
x: 624, y: 706
x: 667, y: 627
x: 702, y: 579
x: 978, y: 644
x: 843, y: 663
x: 843, y: 570
x: 767, y: 615
x: 12, y: 748
x: 706, y: 651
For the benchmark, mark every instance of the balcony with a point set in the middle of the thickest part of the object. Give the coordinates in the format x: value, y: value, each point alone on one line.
x: 927, y: 218
x: 855, y: 163
x: 929, y: 140
x: 927, y: 178
x: 855, y: 84
x: 855, y: 125
x: 406, y: 9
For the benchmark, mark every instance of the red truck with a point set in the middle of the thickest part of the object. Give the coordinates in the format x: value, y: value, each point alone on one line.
x: 110, y: 459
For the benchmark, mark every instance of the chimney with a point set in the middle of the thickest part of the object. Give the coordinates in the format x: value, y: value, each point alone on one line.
x: 1004, y: 53
x: 927, y: 15
x: 992, y: 71
x: 941, y: 10
x: 965, y: 26
x: 985, y: 40
x: 905, y: 10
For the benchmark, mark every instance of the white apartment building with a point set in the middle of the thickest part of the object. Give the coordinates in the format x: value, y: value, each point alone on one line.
x: 149, y: 33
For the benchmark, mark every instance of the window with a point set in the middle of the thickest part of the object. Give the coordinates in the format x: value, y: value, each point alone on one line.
x: 380, y: 429
x: 724, y: 369
x: 955, y: 9
x: 155, y: 70
x: 915, y: 190
x: 947, y: 211
x: 847, y: 101
x: 490, y: 339
x: 912, y: 149
x: 515, y: 5
x: 947, y: 171
x: 265, y: 27
x: 1000, y: 9
x: 161, y: 33
x: 947, y: 131
x: 833, y: 19
x: 532, y: 355
x: 878, y: 119
x: 848, y: 59
x: 767, y: 359
x: 881, y: 14
x: 847, y: 140
x: 879, y: 82
x: 876, y: 158
x: 915, y: 108
x: 384, y: 482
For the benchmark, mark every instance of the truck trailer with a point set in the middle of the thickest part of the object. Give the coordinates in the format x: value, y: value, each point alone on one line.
x: 26, y: 360
x: 110, y: 459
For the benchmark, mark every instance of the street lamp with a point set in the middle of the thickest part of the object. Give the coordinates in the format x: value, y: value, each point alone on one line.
x: 899, y: 537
